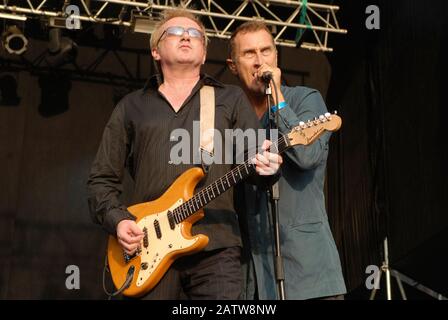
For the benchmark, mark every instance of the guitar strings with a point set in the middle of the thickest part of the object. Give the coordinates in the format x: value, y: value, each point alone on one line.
x: 188, y: 208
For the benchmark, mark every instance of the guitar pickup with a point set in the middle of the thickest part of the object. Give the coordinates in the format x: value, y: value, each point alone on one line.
x: 157, y: 229
x: 171, y: 220
x: 145, y: 237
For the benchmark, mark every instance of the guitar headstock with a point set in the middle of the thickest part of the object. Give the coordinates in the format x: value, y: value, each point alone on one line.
x: 307, y: 132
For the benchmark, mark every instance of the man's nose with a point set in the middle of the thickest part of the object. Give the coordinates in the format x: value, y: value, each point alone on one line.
x: 185, y: 35
x: 259, y: 59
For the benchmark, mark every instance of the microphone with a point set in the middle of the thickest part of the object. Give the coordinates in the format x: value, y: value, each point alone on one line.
x: 266, y: 76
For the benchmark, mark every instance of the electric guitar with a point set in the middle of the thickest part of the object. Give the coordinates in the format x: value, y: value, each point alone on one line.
x: 166, y: 222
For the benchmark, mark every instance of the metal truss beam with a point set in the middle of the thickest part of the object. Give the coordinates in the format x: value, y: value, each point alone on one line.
x: 285, y: 17
x: 95, y: 58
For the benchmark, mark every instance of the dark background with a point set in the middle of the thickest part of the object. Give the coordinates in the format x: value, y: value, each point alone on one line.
x: 386, y: 171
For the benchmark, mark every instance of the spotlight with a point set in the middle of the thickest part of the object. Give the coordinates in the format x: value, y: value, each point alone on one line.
x: 61, y: 50
x: 14, y: 41
x: 55, y: 89
x: 57, y: 22
x: 143, y: 23
x: 112, y: 36
x: 8, y: 91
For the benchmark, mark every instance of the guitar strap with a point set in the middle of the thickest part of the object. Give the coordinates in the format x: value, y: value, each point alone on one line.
x: 207, y: 125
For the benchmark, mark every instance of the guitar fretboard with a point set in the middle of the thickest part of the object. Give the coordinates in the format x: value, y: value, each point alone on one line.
x: 221, y: 185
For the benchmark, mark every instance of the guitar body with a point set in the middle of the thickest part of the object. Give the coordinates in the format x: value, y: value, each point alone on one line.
x: 165, y: 243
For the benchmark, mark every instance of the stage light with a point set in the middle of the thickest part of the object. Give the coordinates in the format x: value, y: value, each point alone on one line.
x: 61, y: 50
x: 8, y: 91
x: 143, y: 23
x: 55, y: 91
x: 14, y: 41
x: 57, y: 22
x: 112, y: 36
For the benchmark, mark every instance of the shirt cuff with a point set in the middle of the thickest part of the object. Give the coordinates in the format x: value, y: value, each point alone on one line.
x: 114, y: 216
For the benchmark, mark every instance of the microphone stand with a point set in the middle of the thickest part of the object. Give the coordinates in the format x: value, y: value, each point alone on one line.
x: 274, y: 196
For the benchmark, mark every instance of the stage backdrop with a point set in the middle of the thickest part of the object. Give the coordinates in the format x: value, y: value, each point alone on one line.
x: 387, y: 173
x: 386, y: 168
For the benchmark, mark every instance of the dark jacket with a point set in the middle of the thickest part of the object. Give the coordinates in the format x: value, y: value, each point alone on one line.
x: 138, y: 139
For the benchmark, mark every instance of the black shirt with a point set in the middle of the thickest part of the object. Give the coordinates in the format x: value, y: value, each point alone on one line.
x: 137, y: 139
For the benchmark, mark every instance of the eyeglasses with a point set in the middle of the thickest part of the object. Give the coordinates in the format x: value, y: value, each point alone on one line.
x: 179, y: 31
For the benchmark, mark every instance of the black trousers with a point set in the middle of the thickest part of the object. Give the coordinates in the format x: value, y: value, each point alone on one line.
x: 207, y: 275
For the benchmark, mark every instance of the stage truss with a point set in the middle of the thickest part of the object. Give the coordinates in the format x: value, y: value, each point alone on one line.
x: 288, y: 19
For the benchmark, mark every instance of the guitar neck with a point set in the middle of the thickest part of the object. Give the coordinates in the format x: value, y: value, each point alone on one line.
x: 221, y: 185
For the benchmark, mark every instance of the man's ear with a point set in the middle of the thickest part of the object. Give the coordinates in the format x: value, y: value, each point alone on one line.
x: 155, y: 54
x: 232, y: 66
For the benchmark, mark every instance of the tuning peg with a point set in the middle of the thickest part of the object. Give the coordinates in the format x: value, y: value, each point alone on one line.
x: 302, y: 124
x: 322, y: 118
x: 327, y: 115
x: 309, y: 124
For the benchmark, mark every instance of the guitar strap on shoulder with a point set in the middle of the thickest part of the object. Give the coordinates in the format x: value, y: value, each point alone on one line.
x: 207, y: 125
